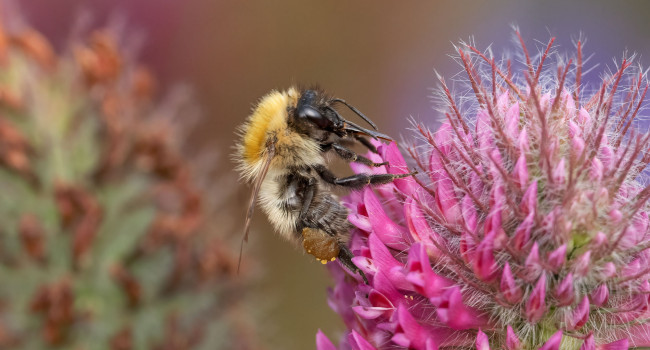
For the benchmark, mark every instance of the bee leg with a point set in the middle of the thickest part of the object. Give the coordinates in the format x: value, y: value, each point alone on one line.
x: 364, y: 141
x: 349, y: 155
x: 358, y: 180
x: 308, y: 197
x: 345, y: 256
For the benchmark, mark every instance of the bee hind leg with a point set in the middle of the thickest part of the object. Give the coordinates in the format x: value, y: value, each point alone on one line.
x: 345, y: 256
x: 326, y: 248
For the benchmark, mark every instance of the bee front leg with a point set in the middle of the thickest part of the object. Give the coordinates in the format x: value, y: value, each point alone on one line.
x: 358, y: 180
x: 364, y: 141
x: 350, y: 156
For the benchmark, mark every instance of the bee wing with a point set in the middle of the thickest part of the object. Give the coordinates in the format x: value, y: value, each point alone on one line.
x: 256, y: 189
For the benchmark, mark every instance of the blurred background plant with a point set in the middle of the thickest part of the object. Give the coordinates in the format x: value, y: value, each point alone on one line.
x: 104, y: 242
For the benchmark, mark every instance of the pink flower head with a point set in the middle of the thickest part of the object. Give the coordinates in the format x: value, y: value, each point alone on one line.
x: 527, y: 227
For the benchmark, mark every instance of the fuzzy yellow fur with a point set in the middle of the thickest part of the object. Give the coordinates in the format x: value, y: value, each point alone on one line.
x: 269, y: 120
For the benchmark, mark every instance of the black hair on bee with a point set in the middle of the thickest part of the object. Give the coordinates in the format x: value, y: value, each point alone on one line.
x: 281, y: 152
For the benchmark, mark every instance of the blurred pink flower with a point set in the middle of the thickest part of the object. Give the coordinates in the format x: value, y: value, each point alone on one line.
x: 527, y: 228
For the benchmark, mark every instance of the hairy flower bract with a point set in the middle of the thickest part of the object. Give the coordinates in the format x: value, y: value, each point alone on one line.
x: 527, y: 227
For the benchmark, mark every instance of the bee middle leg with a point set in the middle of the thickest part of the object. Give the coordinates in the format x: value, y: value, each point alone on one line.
x: 308, y: 197
x: 349, y: 155
x: 358, y: 180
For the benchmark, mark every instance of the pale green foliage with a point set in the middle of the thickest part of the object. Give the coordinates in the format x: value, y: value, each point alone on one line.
x: 60, y: 114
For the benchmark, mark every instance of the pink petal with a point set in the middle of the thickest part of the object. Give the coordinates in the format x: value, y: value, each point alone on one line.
x: 420, y: 228
x: 492, y: 223
x: 596, y: 171
x: 574, y: 129
x: 512, y: 341
x: 570, y: 104
x: 365, y: 264
x: 482, y: 342
x: 502, y: 102
x: 529, y: 200
x: 341, y: 296
x: 522, y: 233
x: 549, y: 221
x: 323, y: 343
x: 386, y: 229
x: 476, y: 185
x: 444, y: 137
x: 374, y: 306
x: 512, y: 121
x: 357, y: 342
x: 641, y: 224
x: 409, y: 333
x: 469, y: 214
x: 384, y: 262
x: 589, y: 343
x: 520, y: 171
x: 533, y: 268
x: 615, y: 215
x: 609, y: 270
x: 397, y: 165
x: 467, y: 247
x: 446, y: 201
x: 638, y: 336
x: 483, y: 128
x: 579, y: 316
x: 632, y: 269
x: 583, y: 116
x: 606, y: 155
x: 524, y: 143
x: 384, y: 285
x: 545, y: 102
x: 419, y: 272
x: 455, y: 314
x: 600, y: 240
x: 536, y: 304
x: 564, y: 292
x: 600, y: 295
x: 553, y: 343
x: 557, y: 258
x: 484, y: 264
x: 511, y: 292
x: 621, y: 344
x: 577, y: 146
x: 559, y: 173
x: 582, y: 265
x: 360, y: 221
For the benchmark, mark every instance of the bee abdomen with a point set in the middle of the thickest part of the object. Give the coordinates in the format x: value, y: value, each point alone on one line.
x: 328, y: 214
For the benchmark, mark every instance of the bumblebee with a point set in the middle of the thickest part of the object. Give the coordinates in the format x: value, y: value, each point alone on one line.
x: 282, y: 152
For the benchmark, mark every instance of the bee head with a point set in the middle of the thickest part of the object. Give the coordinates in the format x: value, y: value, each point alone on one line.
x: 315, y: 109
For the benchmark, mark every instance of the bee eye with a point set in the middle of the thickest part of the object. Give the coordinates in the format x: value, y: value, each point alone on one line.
x: 314, y: 116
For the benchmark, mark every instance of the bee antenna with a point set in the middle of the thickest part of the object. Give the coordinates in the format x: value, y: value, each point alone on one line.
x: 270, y: 147
x: 356, y: 111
